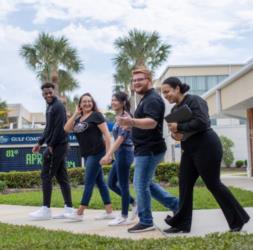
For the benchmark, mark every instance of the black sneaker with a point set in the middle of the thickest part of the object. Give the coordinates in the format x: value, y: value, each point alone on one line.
x: 138, y: 228
x: 174, y: 230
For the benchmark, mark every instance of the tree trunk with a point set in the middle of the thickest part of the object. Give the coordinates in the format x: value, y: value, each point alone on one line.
x: 55, y: 81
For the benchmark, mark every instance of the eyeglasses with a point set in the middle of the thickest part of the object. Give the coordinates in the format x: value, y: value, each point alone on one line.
x: 139, y: 79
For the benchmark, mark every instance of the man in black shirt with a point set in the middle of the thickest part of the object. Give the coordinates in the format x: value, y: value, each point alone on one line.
x: 54, y: 155
x: 150, y: 147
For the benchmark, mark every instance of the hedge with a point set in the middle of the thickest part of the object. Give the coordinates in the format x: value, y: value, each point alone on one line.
x: 31, y: 179
x: 3, y: 186
x: 239, y: 163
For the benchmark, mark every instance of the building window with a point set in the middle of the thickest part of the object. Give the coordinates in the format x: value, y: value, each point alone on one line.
x: 201, y: 84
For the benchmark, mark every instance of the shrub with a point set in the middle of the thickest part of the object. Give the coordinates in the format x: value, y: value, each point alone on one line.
x: 76, y: 176
x: 165, y: 171
x: 239, y: 163
x: 174, y: 181
x: 16, y: 179
x: 3, y: 186
x: 228, y: 156
x: 30, y: 179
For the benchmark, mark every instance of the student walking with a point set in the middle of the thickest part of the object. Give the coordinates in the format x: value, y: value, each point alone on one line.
x: 122, y: 148
x: 150, y: 147
x: 54, y: 156
x: 93, y: 137
x: 201, y: 156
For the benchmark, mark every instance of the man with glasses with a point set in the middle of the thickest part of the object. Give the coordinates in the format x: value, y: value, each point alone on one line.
x: 150, y: 147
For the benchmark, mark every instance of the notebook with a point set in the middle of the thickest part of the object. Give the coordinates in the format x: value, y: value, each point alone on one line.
x: 182, y: 114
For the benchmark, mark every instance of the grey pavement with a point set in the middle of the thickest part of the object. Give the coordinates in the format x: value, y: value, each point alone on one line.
x: 242, y: 182
x: 204, y: 222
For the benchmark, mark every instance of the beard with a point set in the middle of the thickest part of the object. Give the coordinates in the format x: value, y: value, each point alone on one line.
x: 141, y: 91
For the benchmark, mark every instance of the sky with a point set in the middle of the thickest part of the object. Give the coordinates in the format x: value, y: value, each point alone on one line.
x: 200, y: 32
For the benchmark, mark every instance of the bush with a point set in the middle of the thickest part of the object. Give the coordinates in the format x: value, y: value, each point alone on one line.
x: 30, y: 179
x: 174, y: 181
x: 76, y: 176
x: 239, y: 163
x: 165, y: 171
x: 16, y: 179
x: 3, y: 186
x: 228, y: 156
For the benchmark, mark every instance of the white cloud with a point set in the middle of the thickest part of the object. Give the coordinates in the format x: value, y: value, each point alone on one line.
x: 193, y: 23
x: 5, y: 8
x: 100, y: 39
x: 199, y: 31
x: 99, y: 10
x: 18, y: 83
x: 9, y: 6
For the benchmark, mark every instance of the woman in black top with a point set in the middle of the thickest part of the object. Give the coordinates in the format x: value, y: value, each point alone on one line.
x: 201, y: 156
x: 93, y: 137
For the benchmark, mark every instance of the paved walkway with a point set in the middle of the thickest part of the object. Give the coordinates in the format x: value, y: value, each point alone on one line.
x: 238, y: 181
x: 204, y: 222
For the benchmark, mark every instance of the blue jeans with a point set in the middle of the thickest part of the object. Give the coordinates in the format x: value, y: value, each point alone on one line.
x: 118, y: 180
x: 94, y: 175
x: 145, y: 166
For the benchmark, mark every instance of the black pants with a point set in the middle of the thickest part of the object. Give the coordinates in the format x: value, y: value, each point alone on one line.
x: 202, y: 156
x: 54, y: 165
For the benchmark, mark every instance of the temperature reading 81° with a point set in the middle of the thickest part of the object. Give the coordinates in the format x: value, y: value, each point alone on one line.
x: 11, y: 153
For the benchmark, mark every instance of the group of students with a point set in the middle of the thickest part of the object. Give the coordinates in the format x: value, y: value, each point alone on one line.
x: 138, y: 139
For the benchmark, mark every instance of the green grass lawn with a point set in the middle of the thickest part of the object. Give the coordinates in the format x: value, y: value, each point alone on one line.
x: 202, y: 198
x: 28, y: 237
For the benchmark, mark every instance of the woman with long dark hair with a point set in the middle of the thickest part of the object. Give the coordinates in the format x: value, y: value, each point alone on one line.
x: 93, y: 136
x: 201, y: 156
x: 122, y: 149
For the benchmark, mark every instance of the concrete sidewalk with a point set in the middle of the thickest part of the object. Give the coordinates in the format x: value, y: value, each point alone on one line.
x: 238, y: 181
x: 204, y: 222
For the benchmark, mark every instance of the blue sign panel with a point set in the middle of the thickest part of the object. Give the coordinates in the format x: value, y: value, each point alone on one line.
x: 22, y: 159
x: 16, y: 152
x: 24, y: 139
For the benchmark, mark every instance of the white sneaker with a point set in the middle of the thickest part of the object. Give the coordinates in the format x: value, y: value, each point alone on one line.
x: 120, y: 221
x: 74, y: 216
x: 105, y: 216
x: 134, y: 212
x: 44, y: 213
x: 66, y: 210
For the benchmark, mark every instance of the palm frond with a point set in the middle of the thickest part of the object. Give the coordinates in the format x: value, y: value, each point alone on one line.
x: 138, y: 48
x: 48, y: 55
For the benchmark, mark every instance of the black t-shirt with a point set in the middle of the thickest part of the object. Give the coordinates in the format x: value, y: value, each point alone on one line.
x: 148, y: 141
x: 88, y: 134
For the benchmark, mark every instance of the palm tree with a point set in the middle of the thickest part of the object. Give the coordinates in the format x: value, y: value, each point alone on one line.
x: 138, y: 48
x: 53, y: 59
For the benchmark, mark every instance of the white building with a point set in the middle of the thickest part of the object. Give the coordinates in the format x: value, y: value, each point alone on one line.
x: 20, y: 118
x: 201, y: 79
